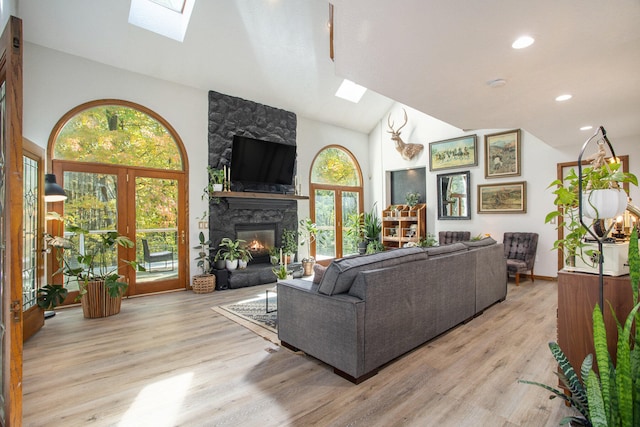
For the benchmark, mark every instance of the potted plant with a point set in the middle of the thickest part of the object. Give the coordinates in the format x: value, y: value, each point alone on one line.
x: 274, y: 253
x: 412, y: 198
x: 230, y: 250
x: 428, y: 241
x: 216, y: 179
x: 245, y: 257
x: 289, y: 243
x: 372, y: 225
x: 309, y: 233
x: 204, y: 282
x: 374, y: 246
x: 100, y: 285
x: 281, y: 272
x: 354, y: 227
x: 596, y: 178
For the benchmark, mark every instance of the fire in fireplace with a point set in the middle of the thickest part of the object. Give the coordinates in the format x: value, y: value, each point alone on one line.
x: 259, y: 238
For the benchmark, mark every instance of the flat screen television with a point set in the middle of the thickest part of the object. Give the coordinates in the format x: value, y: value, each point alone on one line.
x: 255, y: 161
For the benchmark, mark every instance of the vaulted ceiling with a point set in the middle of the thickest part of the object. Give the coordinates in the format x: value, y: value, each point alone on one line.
x: 433, y: 55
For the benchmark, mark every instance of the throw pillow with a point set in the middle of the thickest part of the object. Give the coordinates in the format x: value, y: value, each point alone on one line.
x: 318, y: 272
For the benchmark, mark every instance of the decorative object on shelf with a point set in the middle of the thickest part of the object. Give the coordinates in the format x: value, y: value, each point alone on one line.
x: 412, y: 199
x: 100, y: 285
x: 453, y: 195
x: 508, y: 197
x: 502, y: 154
x: 453, y: 153
x: 204, y: 282
x: 407, y: 150
x: 309, y: 232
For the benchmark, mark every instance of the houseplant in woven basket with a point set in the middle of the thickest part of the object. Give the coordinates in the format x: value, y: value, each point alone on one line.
x: 100, y: 284
x: 205, y: 282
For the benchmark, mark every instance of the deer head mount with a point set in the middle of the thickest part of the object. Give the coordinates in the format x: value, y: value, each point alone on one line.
x: 407, y: 150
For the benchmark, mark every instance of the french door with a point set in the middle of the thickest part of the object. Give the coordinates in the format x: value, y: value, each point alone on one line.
x: 11, y: 235
x: 330, y: 208
x: 147, y: 206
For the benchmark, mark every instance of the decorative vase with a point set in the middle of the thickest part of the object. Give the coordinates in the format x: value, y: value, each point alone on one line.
x: 97, y: 302
x: 604, y: 203
x: 217, y: 187
x: 231, y: 264
x: 220, y: 264
x: 307, y: 266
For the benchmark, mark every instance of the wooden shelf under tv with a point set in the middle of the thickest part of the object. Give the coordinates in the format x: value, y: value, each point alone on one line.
x: 251, y: 195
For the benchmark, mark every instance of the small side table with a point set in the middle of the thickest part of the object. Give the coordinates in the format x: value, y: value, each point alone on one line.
x: 273, y: 290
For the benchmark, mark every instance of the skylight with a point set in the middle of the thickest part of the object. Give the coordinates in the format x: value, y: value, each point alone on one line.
x: 169, y: 18
x: 350, y: 91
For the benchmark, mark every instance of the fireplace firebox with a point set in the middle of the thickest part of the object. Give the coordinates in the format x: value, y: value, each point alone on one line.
x: 259, y: 239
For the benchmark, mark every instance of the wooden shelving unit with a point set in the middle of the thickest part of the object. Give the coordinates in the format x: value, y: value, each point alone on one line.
x: 403, y: 224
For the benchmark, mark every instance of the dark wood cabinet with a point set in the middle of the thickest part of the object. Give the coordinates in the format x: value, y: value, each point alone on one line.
x: 578, y: 293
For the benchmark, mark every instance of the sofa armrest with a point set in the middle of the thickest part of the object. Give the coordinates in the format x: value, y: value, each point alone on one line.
x: 329, y: 328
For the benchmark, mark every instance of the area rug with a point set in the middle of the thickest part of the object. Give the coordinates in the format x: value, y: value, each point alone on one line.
x: 252, y: 314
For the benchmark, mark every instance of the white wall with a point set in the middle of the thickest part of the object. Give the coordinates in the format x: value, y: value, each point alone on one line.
x: 55, y: 82
x: 538, y: 169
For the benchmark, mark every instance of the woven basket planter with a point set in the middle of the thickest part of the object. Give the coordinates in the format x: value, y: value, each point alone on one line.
x: 203, y: 284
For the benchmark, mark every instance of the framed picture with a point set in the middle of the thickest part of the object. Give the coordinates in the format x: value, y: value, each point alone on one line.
x: 502, y: 154
x: 508, y: 197
x: 453, y: 153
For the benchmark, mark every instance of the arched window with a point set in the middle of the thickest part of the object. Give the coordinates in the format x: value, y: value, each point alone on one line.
x: 336, y: 201
x: 124, y: 169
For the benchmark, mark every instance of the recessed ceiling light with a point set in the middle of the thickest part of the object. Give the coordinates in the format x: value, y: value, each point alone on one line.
x: 586, y: 128
x: 565, y: 97
x: 350, y: 91
x: 522, y: 42
x: 496, y: 83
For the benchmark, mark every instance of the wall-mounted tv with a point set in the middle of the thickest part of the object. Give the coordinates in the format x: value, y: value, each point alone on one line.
x: 255, y: 161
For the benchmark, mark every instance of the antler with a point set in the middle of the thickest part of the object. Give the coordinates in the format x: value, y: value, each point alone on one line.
x: 390, y: 123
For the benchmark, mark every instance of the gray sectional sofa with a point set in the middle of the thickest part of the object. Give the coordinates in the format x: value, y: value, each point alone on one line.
x: 368, y: 310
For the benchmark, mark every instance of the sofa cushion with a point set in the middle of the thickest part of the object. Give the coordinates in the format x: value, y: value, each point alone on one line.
x: 445, y: 249
x: 341, y: 273
x: 318, y: 272
x: 487, y: 241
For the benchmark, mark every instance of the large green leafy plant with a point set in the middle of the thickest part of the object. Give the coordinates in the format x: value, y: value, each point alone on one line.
x: 611, y: 397
x: 95, y: 262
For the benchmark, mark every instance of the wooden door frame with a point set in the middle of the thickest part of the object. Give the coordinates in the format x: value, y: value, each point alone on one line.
x: 182, y: 238
x: 11, y: 43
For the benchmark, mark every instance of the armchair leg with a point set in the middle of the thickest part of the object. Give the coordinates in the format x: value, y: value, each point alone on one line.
x: 517, y: 279
x: 532, y: 279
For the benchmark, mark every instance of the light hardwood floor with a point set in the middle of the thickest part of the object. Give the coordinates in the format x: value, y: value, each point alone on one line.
x: 170, y: 360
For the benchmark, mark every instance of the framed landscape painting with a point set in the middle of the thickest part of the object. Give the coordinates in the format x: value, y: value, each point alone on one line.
x: 508, y: 197
x: 502, y: 154
x: 453, y: 153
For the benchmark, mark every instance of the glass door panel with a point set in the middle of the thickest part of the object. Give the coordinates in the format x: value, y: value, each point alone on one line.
x: 325, y: 215
x: 156, y: 231
x: 92, y: 204
x: 350, y: 206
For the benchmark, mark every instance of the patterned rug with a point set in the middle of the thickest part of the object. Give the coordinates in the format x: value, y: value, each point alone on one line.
x: 253, y: 312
